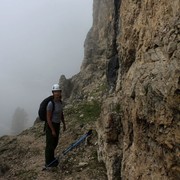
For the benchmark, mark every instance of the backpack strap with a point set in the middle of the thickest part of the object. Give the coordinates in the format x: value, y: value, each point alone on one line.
x: 53, y: 107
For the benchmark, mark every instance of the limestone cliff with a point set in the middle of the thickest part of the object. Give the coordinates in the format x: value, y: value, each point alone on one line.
x: 132, y: 64
x: 128, y: 90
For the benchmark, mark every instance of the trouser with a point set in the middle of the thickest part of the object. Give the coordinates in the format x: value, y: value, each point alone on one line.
x: 51, y: 142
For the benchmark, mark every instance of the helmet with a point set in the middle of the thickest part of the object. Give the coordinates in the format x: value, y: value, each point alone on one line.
x: 56, y: 87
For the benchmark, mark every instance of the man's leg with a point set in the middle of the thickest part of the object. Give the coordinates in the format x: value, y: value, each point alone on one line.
x: 49, y: 151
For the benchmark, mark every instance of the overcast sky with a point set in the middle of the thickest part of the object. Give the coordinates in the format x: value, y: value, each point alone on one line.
x: 39, y: 41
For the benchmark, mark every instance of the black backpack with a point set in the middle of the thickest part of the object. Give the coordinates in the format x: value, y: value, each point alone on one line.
x: 42, y: 108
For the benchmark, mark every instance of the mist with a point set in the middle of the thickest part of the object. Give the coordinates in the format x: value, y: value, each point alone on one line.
x: 39, y: 41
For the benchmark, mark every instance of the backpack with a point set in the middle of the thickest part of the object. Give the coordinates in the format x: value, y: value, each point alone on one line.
x: 42, y: 108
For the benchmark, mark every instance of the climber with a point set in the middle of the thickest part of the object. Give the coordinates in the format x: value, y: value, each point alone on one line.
x: 54, y: 117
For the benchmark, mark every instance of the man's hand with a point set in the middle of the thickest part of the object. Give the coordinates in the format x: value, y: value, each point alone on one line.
x: 54, y: 133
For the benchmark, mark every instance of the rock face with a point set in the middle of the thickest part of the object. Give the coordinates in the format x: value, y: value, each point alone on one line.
x: 149, y: 86
x: 138, y: 130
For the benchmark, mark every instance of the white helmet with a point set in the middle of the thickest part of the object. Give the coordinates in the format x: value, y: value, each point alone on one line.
x: 56, y: 87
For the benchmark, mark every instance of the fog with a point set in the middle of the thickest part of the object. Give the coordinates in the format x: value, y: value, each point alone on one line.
x: 39, y: 41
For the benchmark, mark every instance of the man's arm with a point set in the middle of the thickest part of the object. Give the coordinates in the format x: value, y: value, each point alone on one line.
x: 49, y: 121
x: 64, y: 124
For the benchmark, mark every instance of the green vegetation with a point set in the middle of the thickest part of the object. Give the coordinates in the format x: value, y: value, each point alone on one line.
x: 85, y: 111
x: 101, y: 89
